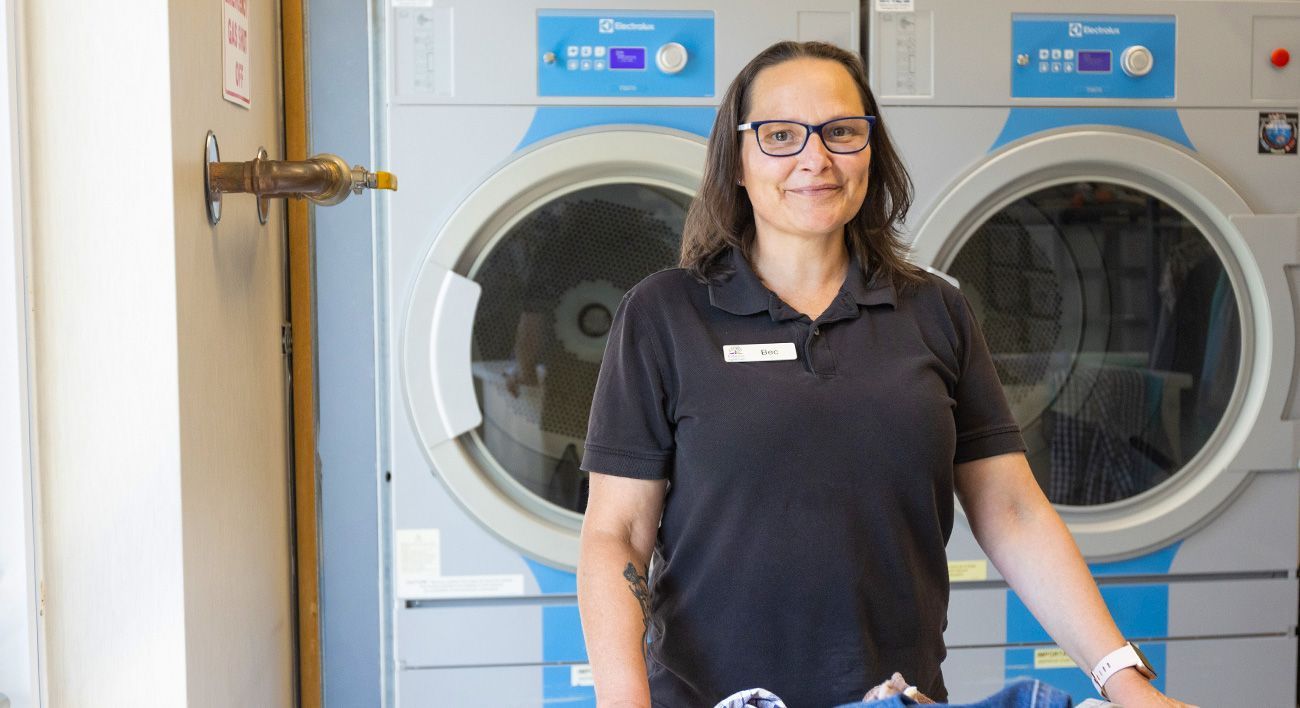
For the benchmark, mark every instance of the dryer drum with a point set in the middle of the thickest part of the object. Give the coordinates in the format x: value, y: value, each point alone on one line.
x: 551, y: 286
x: 1115, y: 331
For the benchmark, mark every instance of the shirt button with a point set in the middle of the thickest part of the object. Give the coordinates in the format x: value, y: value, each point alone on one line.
x: 817, y: 331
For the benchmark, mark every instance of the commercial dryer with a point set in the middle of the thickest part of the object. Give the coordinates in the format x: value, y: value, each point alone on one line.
x: 1114, y: 185
x: 547, y: 156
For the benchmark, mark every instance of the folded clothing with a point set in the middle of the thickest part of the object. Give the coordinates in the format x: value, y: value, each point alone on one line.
x: 895, y: 693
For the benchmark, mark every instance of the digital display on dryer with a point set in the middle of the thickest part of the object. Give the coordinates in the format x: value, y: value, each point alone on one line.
x: 1094, y: 62
x: 627, y: 57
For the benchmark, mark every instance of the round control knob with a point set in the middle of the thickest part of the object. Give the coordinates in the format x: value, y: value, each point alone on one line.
x: 1280, y: 57
x: 671, y: 58
x: 1137, y: 60
x: 549, y: 57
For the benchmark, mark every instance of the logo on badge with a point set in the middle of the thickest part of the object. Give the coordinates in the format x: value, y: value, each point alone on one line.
x: 1277, y: 133
x: 607, y: 26
x: 734, y: 353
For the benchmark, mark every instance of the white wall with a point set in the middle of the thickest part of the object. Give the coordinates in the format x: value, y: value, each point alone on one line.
x: 17, y: 573
x: 104, y: 275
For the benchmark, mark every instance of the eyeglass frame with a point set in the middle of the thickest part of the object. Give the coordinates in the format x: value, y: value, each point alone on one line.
x: 754, y: 125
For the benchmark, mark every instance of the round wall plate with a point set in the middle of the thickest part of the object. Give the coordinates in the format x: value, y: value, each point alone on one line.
x: 211, y: 154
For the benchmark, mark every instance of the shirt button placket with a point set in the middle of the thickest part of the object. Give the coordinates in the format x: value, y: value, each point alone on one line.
x: 810, y: 346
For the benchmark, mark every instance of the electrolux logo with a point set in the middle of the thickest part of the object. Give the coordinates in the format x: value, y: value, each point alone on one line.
x: 608, y: 26
x: 1079, y: 29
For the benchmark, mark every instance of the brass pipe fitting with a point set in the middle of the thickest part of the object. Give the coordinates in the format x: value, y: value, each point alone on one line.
x: 324, y: 179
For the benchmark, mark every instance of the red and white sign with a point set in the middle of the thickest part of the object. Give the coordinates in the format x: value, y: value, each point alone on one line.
x: 236, y: 82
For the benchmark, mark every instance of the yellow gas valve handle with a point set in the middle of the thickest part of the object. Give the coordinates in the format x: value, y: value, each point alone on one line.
x: 385, y: 180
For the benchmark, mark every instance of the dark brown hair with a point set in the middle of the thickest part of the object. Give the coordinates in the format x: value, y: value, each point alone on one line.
x: 721, y: 215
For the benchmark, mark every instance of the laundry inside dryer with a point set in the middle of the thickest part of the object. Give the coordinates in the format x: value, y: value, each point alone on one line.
x: 551, y: 285
x: 1115, y: 330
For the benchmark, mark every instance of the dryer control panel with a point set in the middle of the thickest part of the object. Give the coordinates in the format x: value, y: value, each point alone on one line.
x: 595, y: 53
x: 1092, y: 56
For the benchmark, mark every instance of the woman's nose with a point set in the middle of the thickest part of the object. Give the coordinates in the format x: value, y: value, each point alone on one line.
x: 815, y: 153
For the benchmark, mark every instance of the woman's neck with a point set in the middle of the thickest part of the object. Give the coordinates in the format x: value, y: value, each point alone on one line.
x: 805, y: 273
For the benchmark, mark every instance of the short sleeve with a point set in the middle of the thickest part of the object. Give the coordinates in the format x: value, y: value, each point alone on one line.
x: 985, y: 426
x: 630, y: 433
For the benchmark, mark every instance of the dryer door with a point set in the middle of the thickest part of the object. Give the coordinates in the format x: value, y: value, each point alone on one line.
x: 1139, y: 318
x: 509, y: 314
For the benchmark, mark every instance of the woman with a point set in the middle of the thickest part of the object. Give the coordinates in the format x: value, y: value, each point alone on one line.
x: 814, y: 401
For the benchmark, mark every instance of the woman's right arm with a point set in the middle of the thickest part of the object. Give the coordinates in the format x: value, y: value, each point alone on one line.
x: 618, y: 536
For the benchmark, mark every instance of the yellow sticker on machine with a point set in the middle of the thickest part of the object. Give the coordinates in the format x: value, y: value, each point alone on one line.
x: 967, y: 571
x: 1053, y: 659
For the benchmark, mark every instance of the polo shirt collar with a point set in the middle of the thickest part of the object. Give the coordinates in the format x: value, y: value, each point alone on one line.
x: 744, y: 294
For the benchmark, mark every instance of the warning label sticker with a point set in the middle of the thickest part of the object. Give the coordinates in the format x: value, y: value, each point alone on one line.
x: 1053, y: 659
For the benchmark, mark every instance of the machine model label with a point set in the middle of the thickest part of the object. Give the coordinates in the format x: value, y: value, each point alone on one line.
x: 1277, y: 133
x: 649, y: 54
x: 1092, y: 56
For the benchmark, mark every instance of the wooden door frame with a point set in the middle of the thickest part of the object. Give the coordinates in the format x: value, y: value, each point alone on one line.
x: 298, y: 225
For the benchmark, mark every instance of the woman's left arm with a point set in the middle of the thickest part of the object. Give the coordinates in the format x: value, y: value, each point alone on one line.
x: 1028, y: 543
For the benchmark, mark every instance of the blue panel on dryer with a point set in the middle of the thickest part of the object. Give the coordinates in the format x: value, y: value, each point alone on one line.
x: 1079, y: 56
x: 595, y: 53
x: 1141, y: 611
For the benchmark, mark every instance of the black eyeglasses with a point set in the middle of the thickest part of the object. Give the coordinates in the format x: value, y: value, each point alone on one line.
x: 783, y: 138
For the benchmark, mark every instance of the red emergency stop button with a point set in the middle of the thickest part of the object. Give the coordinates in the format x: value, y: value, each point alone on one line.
x: 1280, y: 57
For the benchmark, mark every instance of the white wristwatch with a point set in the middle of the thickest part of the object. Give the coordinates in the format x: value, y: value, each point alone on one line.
x: 1122, y: 658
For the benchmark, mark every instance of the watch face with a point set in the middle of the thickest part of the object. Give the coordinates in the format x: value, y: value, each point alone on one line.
x: 1145, y: 667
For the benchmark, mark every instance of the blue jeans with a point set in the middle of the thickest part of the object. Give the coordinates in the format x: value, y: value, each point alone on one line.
x: 1022, y: 693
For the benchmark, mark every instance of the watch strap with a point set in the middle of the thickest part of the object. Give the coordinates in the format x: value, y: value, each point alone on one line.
x: 1124, y: 657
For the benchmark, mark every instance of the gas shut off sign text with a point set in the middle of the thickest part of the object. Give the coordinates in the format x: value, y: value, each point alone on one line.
x: 234, y: 53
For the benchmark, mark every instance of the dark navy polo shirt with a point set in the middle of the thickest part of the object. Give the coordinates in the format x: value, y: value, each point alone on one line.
x: 801, y: 548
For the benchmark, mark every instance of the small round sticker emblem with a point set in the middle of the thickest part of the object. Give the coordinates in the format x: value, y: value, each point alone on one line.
x: 1277, y: 133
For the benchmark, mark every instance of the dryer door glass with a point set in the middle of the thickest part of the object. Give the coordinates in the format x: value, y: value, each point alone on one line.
x: 1115, y: 330
x: 551, y: 285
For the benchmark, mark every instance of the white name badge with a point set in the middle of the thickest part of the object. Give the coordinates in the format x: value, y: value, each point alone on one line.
x: 780, y: 351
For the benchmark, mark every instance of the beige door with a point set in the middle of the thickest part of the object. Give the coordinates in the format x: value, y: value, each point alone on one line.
x: 231, y: 306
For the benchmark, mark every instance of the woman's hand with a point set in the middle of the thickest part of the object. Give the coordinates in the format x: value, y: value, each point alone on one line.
x: 1132, y: 690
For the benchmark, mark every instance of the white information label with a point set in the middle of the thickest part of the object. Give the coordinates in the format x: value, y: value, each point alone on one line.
x: 419, y: 561
x: 449, y: 586
x: 236, y: 78
x: 419, y: 572
x: 894, y: 6
x: 580, y: 675
x: 777, y: 351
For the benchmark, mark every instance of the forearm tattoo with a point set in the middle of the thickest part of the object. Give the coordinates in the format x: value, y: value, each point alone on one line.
x: 641, y: 591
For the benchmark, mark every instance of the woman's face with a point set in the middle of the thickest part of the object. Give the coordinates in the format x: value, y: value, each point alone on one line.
x: 815, y: 193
